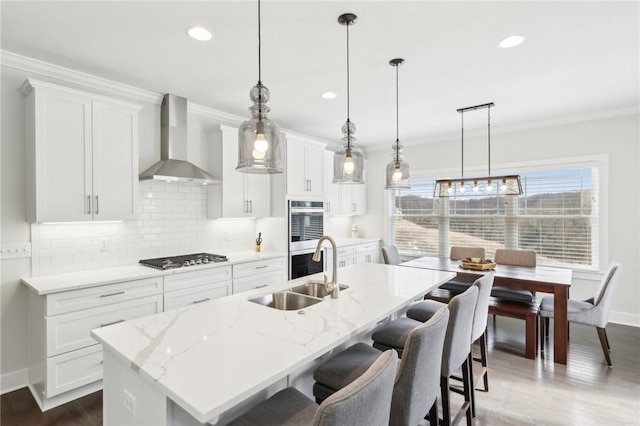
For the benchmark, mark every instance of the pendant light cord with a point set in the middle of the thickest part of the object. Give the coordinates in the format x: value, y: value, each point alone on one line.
x: 348, y: 121
x: 489, y: 137
x: 259, y: 48
x: 397, y: 121
x: 462, y: 143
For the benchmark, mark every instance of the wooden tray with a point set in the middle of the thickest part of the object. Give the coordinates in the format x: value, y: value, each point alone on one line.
x: 477, y: 266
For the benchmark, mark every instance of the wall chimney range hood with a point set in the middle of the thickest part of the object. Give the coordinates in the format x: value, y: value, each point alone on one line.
x: 173, y: 165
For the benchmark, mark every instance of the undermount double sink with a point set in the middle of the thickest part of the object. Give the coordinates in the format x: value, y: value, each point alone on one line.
x: 295, y: 298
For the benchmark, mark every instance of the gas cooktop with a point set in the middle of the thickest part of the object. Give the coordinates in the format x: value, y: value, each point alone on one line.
x: 165, y: 263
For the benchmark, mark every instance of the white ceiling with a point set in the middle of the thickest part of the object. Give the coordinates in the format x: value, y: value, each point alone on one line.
x: 580, y: 59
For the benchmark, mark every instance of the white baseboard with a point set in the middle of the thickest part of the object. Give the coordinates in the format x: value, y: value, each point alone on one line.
x: 624, y: 318
x: 14, y: 380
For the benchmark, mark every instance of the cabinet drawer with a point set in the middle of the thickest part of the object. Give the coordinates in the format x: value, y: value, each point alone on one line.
x: 74, y: 369
x: 346, y: 251
x: 368, y: 257
x: 72, y: 331
x: 258, y: 267
x: 360, y: 248
x: 68, y: 301
x: 191, y: 296
x: 196, y: 278
x: 262, y: 280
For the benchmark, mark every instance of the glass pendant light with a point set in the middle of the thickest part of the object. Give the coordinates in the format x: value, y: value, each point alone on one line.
x: 259, y: 137
x: 397, y: 169
x: 348, y: 162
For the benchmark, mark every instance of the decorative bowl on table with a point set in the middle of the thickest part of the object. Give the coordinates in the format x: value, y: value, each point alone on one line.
x: 477, y: 264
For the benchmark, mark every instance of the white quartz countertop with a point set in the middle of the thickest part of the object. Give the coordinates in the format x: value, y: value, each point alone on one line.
x: 46, y: 284
x: 209, y: 357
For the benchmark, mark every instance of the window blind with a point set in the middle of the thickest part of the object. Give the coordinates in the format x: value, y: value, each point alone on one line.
x: 556, y: 216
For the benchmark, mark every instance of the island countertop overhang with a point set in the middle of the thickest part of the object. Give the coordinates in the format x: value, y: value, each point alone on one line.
x: 209, y: 357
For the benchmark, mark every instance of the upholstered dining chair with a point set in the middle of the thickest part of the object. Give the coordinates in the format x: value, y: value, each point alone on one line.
x: 417, y: 382
x: 514, y: 258
x: 462, y: 282
x: 593, y: 311
x: 364, y: 402
x: 390, y: 255
x: 455, y: 354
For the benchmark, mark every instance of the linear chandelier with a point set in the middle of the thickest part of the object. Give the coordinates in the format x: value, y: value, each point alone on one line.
x: 481, y: 185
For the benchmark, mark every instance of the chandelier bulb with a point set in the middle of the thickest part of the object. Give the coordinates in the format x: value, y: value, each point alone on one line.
x: 349, y: 167
x: 489, y: 185
x: 449, y: 188
x: 475, y: 186
x: 504, y: 185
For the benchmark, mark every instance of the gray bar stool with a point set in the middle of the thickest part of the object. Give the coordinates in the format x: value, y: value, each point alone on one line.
x: 364, y: 402
x: 457, y: 346
x: 417, y: 379
x: 422, y: 311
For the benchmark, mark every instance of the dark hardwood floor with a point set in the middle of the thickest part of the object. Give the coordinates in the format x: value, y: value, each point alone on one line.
x: 521, y: 391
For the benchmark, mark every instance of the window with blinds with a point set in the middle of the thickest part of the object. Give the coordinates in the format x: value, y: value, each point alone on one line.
x: 556, y: 216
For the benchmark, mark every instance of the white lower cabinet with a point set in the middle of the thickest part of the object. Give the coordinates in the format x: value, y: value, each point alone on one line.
x: 345, y: 256
x: 64, y: 360
x: 355, y: 253
x: 260, y: 273
x: 368, y: 252
x: 191, y: 288
x: 73, y: 369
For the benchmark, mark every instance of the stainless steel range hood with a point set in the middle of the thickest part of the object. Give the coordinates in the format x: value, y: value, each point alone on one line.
x: 173, y: 165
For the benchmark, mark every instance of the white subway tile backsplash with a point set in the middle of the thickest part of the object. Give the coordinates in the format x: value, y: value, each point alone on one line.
x: 171, y: 220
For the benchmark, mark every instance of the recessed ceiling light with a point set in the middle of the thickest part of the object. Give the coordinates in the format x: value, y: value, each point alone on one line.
x: 199, y: 33
x: 511, y: 41
x: 328, y: 95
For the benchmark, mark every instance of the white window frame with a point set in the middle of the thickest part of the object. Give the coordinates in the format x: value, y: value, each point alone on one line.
x: 600, y: 249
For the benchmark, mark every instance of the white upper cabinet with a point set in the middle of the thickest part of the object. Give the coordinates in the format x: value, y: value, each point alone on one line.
x: 240, y: 194
x: 305, y: 168
x: 342, y: 199
x: 82, y: 155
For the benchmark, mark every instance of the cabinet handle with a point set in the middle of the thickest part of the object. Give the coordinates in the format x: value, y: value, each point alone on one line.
x: 260, y: 286
x: 112, y: 294
x: 111, y: 323
x: 250, y: 206
x: 96, y: 204
x: 353, y: 207
x: 309, y: 185
x: 201, y: 300
x: 262, y: 267
x: 88, y: 204
x: 328, y: 208
x: 246, y: 206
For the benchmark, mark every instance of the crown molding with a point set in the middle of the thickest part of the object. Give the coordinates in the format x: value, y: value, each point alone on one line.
x: 49, y: 70
x: 558, y: 121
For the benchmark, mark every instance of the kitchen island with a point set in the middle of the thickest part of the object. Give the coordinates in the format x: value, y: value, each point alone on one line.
x: 206, y: 362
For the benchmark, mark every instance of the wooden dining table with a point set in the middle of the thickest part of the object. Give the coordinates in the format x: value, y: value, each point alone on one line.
x: 544, y: 279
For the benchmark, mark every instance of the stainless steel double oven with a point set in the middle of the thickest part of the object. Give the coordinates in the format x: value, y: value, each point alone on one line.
x: 306, y: 226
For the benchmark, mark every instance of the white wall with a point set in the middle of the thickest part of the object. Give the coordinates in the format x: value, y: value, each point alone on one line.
x: 615, y: 139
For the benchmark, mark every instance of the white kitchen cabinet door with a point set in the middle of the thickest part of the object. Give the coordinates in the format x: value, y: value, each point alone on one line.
x: 82, y: 158
x: 115, y: 161
x: 296, y: 172
x: 332, y: 190
x: 58, y: 156
x: 358, y: 199
x: 240, y: 194
x: 315, y: 169
x: 305, y: 167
